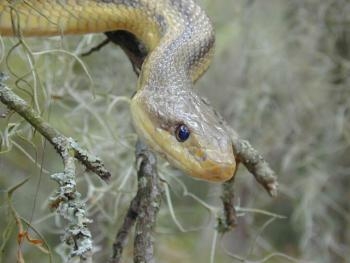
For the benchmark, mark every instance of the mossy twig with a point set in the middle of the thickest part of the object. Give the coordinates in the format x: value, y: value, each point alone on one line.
x: 68, y: 204
x: 255, y: 164
x: 149, y: 193
x: 143, y: 210
x: 229, y: 221
x: 67, y: 200
x: 59, y: 141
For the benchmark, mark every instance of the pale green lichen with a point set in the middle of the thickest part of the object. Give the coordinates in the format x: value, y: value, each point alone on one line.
x: 70, y: 206
x: 66, y: 200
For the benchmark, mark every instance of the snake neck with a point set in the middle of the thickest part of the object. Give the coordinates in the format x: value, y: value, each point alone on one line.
x: 185, y: 49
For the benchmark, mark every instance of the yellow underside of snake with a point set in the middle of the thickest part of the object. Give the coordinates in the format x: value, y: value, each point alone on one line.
x: 167, y: 114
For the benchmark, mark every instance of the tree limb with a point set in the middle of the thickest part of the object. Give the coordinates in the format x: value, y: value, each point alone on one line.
x: 149, y: 193
x: 67, y: 200
x: 143, y: 210
x: 255, y: 164
x: 121, y: 238
x: 58, y: 140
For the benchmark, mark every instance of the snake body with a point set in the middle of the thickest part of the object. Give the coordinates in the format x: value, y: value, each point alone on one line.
x: 179, y: 39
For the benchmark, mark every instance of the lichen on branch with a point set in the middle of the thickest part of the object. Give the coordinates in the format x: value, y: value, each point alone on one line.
x: 66, y: 200
x: 58, y: 140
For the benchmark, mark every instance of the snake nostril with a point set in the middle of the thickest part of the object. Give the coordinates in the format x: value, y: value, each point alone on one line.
x: 198, y: 154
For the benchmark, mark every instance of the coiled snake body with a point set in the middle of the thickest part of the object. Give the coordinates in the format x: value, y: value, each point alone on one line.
x: 179, y: 38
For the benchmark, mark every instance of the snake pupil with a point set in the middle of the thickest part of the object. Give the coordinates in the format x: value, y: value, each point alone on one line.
x: 182, y: 133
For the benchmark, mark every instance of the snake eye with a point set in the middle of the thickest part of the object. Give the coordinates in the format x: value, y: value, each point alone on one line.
x: 182, y: 133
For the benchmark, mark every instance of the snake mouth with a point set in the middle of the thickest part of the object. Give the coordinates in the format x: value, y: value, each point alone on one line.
x: 218, y: 169
x: 210, y: 170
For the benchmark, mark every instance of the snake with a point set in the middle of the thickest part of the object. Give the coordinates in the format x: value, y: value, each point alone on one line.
x: 168, y: 114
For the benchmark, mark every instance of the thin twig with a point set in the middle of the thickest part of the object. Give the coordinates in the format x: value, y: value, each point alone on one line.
x: 143, y: 210
x: 149, y: 193
x: 95, y: 48
x: 122, y: 235
x: 68, y: 204
x: 229, y: 221
x: 59, y: 141
x: 255, y: 164
x: 67, y: 200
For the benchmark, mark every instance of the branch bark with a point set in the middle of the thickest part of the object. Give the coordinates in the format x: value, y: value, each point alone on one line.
x: 66, y: 200
x: 121, y: 238
x: 149, y: 192
x: 60, y: 142
x: 255, y: 164
x: 143, y: 210
x: 229, y: 221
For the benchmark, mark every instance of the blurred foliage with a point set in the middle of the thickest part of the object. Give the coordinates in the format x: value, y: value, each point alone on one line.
x: 280, y: 76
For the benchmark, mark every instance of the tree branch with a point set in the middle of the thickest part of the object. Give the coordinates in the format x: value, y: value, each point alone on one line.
x: 121, y: 238
x: 59, y: 141
x: 229, y: 221
x: 255, y: 164
x: 149, y: 193
x: 66, y: 200
x: 143, y: 210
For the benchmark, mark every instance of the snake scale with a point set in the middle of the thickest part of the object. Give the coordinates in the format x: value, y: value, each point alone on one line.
x: 179, y: 38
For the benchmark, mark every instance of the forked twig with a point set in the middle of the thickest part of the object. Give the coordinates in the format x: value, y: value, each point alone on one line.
x: 66, y: 201
x: 60, y: 142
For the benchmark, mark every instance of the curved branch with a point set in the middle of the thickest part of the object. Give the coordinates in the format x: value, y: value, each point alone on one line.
x: 60, y: 142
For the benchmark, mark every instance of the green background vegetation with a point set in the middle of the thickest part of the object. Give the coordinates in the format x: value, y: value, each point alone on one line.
x: 281, y: 78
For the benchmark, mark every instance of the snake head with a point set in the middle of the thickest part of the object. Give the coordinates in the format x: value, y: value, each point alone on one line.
x: 184, y: 129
